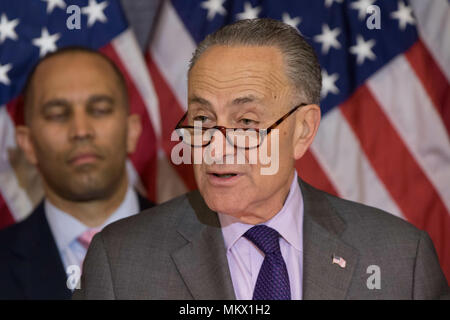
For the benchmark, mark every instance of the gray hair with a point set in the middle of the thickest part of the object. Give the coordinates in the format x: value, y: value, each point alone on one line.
x: 301, y: 63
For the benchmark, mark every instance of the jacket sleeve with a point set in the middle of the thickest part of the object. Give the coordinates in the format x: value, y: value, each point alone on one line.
x: 429, y: 280
x: 96, y: 280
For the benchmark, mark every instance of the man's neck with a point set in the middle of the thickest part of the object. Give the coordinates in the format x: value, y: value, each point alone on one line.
x: 268, y: 208
x: 91, y: 213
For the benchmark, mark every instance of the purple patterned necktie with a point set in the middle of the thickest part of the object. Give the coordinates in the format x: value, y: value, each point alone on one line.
x: 273, y: 279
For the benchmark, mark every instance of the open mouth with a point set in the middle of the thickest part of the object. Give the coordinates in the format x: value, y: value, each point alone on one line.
x: 223, y: 178
x: 225, y: 175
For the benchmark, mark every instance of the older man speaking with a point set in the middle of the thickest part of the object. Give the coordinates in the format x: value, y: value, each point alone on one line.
x: 249, y: 235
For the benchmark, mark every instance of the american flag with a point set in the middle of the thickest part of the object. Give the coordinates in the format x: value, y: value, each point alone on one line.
x: 29, y: 29
x: 339, y: 261
x: 384, y: 135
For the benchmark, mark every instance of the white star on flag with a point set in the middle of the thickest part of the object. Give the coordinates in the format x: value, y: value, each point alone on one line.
x: 249, y: 12
x: 293, y: 22
x: 52, y: 4
x: 47, y: 42
x: 361, y: 6
x: 404, y: 14
x: 94, y: 11
x: 363, y: 49
x: 329, y: 3
x: 7, y: 28
x: 329, y: 83
x: 214, y: 7
x: 328, y: 38
x: 3, y: 73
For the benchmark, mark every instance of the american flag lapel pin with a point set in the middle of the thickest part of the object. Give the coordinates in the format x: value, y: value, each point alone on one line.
x: 339, y: 261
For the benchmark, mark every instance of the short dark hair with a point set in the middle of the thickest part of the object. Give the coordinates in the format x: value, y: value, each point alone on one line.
x: 71, y: 49
x: 301, y: 64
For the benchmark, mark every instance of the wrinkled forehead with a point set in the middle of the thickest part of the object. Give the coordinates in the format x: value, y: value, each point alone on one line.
x: 240, y: 62
x: 234, y: 73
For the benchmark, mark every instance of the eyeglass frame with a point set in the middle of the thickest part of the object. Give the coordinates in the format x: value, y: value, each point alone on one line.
x: 262, y: 132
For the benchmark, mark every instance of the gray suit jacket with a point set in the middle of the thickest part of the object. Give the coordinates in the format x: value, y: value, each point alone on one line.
x: 176, y: 251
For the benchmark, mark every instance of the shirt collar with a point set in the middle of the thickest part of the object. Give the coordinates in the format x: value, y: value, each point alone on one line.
x: 66, y: 228
x: 288, y: 221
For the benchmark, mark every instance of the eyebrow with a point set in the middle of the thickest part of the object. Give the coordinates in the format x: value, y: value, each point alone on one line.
x: 60, y: 102
x: 55, y: 103
x: 237, y: 101
x: 199, y: 100
x: 245, y: 99
x: 100, y: 98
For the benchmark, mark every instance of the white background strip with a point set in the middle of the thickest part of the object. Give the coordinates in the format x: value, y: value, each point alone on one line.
x: 15, y: 197
x: 172, y: 57
x: 433, y: 22
x: 406, y: 103
x: 339, y: 153
x: 129, y: 52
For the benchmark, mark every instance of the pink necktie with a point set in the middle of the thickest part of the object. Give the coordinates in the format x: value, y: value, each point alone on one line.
x: 86, y: 237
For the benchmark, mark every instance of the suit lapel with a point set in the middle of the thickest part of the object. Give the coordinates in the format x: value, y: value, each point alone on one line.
x: 144, y: 203
x: 203, y: 265
x: 202, y: 262
x: 323, y: 279
x: 39, y: 268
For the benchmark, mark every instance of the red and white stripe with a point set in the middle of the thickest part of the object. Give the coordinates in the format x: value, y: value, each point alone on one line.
x: 354, y: 177
x: 433, y: 23
x: 125, y: 52
x: 14, y: 201
x: 168, y: 64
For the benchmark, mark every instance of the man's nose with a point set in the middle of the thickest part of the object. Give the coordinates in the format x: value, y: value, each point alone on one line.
x: 221, y: 148
x: 81, y: 126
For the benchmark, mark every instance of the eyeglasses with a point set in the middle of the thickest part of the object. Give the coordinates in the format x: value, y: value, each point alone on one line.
x: 241, y: 138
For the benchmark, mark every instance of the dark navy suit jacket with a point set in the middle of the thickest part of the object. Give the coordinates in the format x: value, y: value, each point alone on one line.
x: 30, y: 264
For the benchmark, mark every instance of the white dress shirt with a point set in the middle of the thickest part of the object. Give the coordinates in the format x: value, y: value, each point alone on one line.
x: 245, y: 259
x: 66, y: 229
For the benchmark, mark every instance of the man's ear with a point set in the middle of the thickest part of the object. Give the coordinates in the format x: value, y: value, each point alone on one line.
x: 134, y: 132
x: 307, y: 124
x: 23, y: 139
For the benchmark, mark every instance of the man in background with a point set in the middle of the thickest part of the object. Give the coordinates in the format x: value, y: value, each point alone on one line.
x: 78, y: 132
